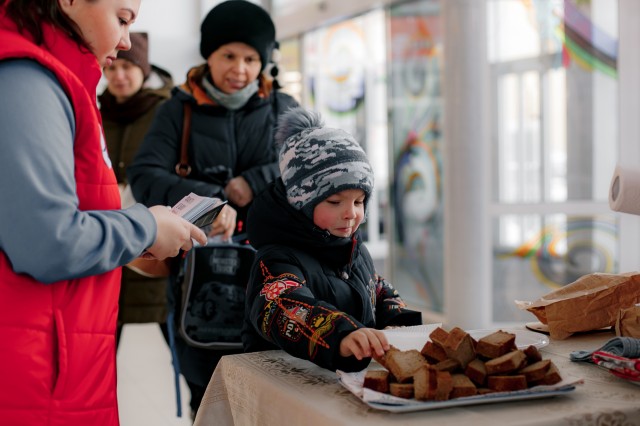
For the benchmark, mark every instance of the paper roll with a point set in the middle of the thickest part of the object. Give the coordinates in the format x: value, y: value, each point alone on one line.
x: 624, y: 192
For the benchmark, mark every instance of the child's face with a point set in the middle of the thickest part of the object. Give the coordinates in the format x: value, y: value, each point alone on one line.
x: 340, y: 213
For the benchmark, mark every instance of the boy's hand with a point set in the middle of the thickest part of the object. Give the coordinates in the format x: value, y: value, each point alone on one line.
x: 364, y: 343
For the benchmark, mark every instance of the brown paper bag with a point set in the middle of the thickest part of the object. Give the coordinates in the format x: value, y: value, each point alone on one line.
x: 589, y: 303
x: 628, y: 322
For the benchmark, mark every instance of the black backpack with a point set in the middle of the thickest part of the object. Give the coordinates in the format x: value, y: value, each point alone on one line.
x: 211, y: 286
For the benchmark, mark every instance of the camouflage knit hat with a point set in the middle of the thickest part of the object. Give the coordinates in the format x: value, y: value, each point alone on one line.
x: 317, y: 161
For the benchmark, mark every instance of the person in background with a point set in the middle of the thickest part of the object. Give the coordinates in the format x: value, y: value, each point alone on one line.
x: 230, y: 149
x: 63, y: 236
x: 135, y: 89
x: 313, y: 289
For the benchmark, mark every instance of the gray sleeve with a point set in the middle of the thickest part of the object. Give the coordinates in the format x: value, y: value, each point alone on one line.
x: 42, y: 232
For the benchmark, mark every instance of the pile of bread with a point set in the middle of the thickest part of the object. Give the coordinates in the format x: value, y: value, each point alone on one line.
x: 453, y: 364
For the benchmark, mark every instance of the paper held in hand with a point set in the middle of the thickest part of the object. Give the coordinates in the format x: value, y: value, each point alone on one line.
x: 200, y: 211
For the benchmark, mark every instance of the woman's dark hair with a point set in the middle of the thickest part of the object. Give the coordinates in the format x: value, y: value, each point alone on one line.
x: 30, y: 14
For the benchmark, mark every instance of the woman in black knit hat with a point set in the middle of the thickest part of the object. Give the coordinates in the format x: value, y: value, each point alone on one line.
x: 231, y: 153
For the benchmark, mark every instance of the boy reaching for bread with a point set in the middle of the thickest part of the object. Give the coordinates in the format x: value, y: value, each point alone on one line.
x: 313, y: 290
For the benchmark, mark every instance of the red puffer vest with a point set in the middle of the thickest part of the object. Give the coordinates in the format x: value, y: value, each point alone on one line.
x: 57, y: 341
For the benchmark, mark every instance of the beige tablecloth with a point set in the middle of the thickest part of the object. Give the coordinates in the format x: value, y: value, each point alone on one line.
x: 274, y: 388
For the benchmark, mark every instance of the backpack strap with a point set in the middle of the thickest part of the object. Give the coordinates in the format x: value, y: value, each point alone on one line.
x: 183, y: 169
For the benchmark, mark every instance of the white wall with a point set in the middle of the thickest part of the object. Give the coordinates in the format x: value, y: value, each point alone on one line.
x: 174, y: 33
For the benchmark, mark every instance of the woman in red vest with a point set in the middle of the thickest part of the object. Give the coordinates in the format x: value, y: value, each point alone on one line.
x: 63, y: 235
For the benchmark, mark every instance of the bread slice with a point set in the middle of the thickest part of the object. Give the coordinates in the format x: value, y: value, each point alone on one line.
x: 402, y: 364
x: 533, y: 354
x: 433, y: 352
x: 448, y: 364
x: 462, y: 386
x: 550, y: 378
x: 429, y: 383
x: 496, y: 344
x: 444, y: 386
x: 377, y: 380
x: 536, y: 371
x: 507, y: 383
x: 476, y: 371
x: 459, y: 346
x: 439, y: 336
x: 425, y: 383
x: 506, y: 363
x: 401, y: 390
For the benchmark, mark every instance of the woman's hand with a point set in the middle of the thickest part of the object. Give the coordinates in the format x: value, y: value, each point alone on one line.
x: 364, y: 343
x: 225, y: 223
x: 238, y: 191
x: 173, y: 234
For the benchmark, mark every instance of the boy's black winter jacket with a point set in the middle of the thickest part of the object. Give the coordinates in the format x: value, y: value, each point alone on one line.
x: 309, y: 289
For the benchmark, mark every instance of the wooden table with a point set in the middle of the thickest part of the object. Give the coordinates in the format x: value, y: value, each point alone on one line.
x: 274, y: 388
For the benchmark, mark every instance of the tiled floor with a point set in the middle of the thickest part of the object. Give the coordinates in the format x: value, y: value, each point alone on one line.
x: 146, y: 393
